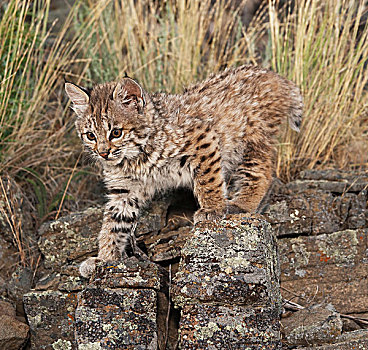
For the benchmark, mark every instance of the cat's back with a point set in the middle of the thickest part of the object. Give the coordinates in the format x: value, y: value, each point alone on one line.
x: 243, y: 97
x: 233, y: 91
x: 229, y: 84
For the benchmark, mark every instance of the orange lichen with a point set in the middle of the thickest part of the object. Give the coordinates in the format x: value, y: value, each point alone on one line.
x: 323, y: 257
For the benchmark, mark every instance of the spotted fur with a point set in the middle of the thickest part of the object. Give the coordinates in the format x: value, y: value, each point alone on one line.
x: 216, y: 138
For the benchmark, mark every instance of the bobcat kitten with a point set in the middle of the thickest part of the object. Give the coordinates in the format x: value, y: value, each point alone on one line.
x: 216, y: 138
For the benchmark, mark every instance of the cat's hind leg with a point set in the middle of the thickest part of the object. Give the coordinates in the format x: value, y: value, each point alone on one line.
x: 248, y: 185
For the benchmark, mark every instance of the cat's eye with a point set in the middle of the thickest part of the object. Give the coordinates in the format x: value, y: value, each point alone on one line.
x: 91, y: 136
x: 115, y: 133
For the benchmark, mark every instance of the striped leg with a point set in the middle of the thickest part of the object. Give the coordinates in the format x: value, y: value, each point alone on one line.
x: 120, y: 218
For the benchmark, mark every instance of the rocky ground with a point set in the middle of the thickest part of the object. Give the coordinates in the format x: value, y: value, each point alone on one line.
x: 209, y: 287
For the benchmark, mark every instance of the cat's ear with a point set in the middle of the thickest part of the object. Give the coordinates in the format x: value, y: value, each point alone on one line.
x: 78, y: 96
x: 129, y: 91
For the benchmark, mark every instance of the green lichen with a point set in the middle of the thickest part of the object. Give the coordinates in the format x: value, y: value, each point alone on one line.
x: 228, y: 264
x: 90, y: 346
x: 207, y: 331
x: 87, y: 314
x: 302, y: 255
x: 35, y: 321
x: 62, y: 345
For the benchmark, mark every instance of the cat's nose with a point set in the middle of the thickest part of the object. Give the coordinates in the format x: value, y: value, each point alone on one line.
x: 104, y: 154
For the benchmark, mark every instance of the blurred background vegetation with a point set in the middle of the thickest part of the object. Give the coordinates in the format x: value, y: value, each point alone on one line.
x: 319, y: 44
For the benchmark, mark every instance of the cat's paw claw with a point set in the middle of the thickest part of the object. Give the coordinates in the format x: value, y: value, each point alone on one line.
x: 207, y: 215
x: 88, y: 266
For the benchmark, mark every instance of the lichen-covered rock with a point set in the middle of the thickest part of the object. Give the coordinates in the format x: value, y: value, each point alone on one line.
x: 13, y: 333
x: 167, y: 245
x: 356, y: 340
x: 70, y: 238
x: 118, y: 310
x: 153, y: 218
x: 318, y: 324
x: 319, y: 202
x: 51, y: 319
x: 73, y: 238
x: 313, y: 212
x: 19, y: 284
x: 331, y: 180
x: 330, y: 268
x: 129, y: 273
x: 227, y: 286
x: 232, y: 261
x: 116, y: 319
x: 204, y: 326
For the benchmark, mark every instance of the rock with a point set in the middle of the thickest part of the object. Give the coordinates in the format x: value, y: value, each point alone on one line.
x: 331, y: 180
x: 314, y: 212
x: 165, y: 242
x: 207, y: 326
x: 51, y: 319
x: 349, y: 325
x: 318, y: 324
x: 356, y: 340
x: 13, y: 333
x: 167, y: 245
x: 19, y: 284
x: 70, y: 238
x: 330, y: 268
x: 120, y: 304
x: 227, y: 286
x: 6, y: 308
x: 119, y: 309
x: 73, y: 238
x: 3, y: 288
x: 315, y: 205
x: 129, y: 273
x: 153, y: 218
x: 115, y: 319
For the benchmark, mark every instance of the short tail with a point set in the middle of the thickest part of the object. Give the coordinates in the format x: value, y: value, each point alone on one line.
x: 296, y: 108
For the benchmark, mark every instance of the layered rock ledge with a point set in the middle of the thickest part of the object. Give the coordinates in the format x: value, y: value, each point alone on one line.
x: 227, y: 286
x: 321, y: 224
x: 226, y: 289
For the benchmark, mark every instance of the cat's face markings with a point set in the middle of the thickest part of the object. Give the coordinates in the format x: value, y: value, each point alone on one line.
x: 101, y: 136
x: 111, y: 118
x: 108, y: 117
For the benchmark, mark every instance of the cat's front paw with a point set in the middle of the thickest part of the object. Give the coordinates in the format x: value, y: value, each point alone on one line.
x: 88, y: 266
x: 208, y: 215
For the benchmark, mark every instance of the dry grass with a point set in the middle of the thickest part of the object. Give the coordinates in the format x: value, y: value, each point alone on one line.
x: 166, y: 45
x: 37, y: 142
x: 323, y: 47
x: 10, y: 207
